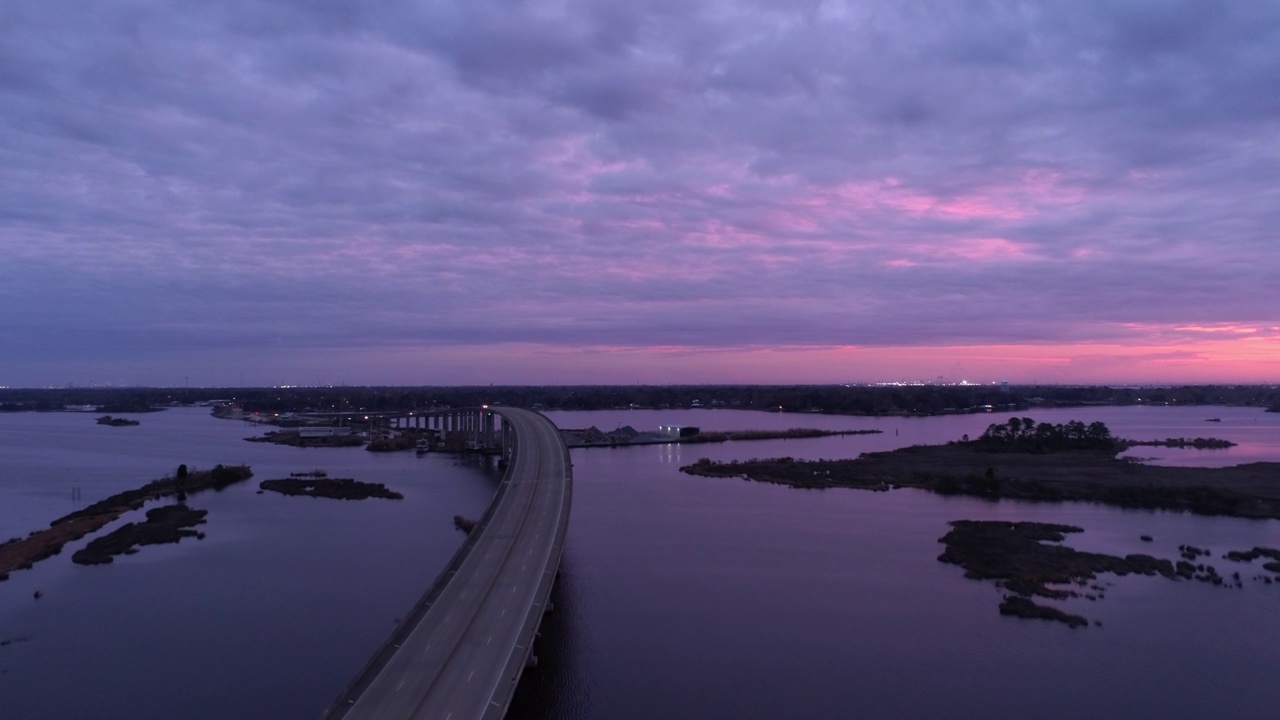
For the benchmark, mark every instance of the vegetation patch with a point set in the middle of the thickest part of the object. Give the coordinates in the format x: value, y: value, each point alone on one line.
x: 21, y: 553
x: 1248, y: 556
x: 1022, y: 460
x: 1027, y: 559
x: 168, y: 524
x: 185, y: 482
x: 1196, y: 443
x: 337, y: 488
x: 1251, y: 555
x: 1023, y: 607
x: 294, y: 438
x: 627, y: 435
x: 117, y: 421
x: 788, y: 434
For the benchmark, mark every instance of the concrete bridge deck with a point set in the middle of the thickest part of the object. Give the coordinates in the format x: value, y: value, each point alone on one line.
x: 460, y: 653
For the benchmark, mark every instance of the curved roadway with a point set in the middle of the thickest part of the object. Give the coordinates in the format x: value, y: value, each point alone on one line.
x: 461, y: 653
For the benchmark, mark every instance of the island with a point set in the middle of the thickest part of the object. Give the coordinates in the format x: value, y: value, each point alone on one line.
x: 1246, y: 556
x: 316, y: 484
x: 166, y: 524
x: 117, y: 421
x: 1028, y: 560
x: 627, y: 435
x: 21, y: 553
x: 1196, y: 443
x: 1025, y: 460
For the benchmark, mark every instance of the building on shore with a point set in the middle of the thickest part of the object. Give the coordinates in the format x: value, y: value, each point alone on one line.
x: 678, y: 431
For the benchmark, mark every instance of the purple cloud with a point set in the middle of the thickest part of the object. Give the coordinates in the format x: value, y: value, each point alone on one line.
x: 321, y: 185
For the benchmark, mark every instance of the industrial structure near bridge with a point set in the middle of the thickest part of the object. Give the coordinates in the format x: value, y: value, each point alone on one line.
x: 461, y: 651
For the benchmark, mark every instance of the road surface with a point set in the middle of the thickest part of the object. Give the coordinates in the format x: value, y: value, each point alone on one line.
x: 461, y: 653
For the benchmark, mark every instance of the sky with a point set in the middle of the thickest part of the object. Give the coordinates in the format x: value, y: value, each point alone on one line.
x: 314, y: 192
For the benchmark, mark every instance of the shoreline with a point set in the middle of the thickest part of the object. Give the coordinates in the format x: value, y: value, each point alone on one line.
x: 21, y: 553
x: 1084, y: 469
x: 593, y: 437
x: 1028, y: 560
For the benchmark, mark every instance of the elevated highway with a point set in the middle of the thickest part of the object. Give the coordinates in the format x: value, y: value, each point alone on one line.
x: 460, y: 653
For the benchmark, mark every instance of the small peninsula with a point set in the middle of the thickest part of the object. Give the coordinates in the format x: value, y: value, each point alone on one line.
x: 317, y: 486
x: 1023, y: 460
x: 22, y: 552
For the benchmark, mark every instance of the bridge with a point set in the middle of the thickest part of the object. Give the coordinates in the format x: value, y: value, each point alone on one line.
x: 478, y: 425
x: 460, y: 653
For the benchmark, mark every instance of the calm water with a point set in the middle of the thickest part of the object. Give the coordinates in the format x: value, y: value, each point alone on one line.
x: 681, y: 597
x: 267, y: 617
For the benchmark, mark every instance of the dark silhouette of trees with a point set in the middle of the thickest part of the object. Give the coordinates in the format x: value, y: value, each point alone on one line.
x: 1026, y: 435
x: 830, y: 399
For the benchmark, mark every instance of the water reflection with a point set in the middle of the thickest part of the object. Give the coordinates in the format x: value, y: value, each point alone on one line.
x: 671, y: 454
x: 558, y: 653
x: 679, y: 596
x: 717, y: 598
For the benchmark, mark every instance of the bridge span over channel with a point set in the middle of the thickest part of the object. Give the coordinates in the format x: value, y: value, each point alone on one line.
x: 460, y: 653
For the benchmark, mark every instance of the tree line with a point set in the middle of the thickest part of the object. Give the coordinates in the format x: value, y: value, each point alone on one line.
x: 829, y: 399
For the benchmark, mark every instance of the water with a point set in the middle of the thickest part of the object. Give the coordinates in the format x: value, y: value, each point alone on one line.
x: 268, y: 617
x: 680, y: 596
x: 690, y: 597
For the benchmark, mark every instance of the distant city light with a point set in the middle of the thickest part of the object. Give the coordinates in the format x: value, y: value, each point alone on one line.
x: 925, y: 383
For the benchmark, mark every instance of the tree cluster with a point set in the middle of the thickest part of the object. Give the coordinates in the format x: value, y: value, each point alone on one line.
x: 1026, y: 435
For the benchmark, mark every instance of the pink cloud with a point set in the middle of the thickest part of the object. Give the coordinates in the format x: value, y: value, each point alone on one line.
x: 984, y: 249
x: 1227, y: 329
x: 1015, y: 199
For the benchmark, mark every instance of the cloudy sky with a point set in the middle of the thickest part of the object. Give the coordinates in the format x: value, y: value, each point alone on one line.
x: 582, y: 191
